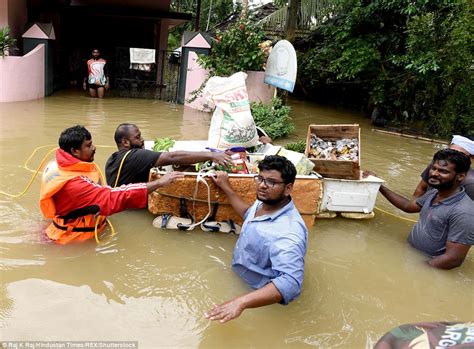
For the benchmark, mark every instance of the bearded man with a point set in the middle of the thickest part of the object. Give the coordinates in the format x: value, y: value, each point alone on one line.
x: 269, y: 254
x: 135, y: 162
x: 445, y: 227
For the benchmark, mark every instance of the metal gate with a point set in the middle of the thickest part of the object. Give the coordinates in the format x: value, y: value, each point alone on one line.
x: 155, y: 81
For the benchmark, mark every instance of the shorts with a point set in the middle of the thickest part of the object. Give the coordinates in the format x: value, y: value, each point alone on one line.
x: 94, y: 86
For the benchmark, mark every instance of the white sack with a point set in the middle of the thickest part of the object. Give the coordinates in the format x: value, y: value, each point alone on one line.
x: 232, y: 123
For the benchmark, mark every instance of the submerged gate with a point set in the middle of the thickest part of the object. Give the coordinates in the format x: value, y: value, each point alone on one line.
x: 155, y: 81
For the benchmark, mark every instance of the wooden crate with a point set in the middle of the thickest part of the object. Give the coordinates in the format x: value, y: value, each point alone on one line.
x: 307, y: 194
x: 342, y: 169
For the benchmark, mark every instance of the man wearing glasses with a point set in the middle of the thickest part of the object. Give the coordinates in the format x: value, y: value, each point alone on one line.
x: 269, y: 254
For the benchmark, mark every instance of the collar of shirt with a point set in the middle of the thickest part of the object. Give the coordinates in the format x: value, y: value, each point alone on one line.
x: 450, y: 200
x: 272, y: 216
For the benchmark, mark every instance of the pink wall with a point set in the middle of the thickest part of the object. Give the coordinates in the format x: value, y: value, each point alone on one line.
x: 194, y: 78
x: 22, y: 77
x: 258, y: 90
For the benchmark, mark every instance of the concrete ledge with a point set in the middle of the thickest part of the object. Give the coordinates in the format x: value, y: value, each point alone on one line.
x: 22, y: 77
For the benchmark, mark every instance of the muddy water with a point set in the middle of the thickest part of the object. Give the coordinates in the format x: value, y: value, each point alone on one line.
x: 152, y: 286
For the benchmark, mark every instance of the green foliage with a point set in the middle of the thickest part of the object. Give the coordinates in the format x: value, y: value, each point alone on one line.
x: 212, y: 13
x: 174, y: 40
x: 412, y: 59
x: 274, y: 119
x: 236, y: 49
x: 299, y: 146
x: 163, y: 144
x: 7, y: 43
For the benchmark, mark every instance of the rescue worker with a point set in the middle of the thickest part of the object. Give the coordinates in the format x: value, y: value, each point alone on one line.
x: 74, y: 195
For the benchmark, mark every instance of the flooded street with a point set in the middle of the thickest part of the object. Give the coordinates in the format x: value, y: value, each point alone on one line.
x: 143, y: 284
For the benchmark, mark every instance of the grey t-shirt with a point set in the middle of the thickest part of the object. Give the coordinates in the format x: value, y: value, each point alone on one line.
x: 449, y: 220
x: 467, y: 183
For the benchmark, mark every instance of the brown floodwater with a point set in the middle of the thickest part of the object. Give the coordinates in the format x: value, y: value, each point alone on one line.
x: 152, y: 286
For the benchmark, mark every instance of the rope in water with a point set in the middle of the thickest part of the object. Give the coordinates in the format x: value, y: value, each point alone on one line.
x: 37, y: 171
x: 33, y: 177
x: 394, y: 215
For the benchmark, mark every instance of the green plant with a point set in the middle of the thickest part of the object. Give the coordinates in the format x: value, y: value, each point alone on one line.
x: 274, y: 119
x: 410, y: 59
x: 7, y: 43
x: 299, y: 146
x: 236, y: 49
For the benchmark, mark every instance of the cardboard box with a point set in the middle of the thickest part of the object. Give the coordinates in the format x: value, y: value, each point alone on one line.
x: 341, y: 169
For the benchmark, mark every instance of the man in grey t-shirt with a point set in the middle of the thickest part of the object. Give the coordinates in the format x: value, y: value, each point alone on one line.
x: 445, y: 228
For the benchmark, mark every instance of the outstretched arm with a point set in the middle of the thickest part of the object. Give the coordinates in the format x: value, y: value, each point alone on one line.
x: 452, y: 258
x: 221, y: 179
x: 192, y: 157
x: 232, y: 309
x: 163, y: 181
x: 409, y: 206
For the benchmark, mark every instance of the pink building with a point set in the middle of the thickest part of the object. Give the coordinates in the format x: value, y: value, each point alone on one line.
x: 80, y: 26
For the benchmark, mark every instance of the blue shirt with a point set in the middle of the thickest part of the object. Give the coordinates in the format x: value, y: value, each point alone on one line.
x: 449, y: 220
x: 271, y: 248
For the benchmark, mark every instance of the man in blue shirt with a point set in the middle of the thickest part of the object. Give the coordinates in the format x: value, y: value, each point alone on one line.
x: 269, y: 254
x: 445, y: 227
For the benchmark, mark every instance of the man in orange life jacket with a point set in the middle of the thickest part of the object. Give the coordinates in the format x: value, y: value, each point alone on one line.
x: 74, y: 195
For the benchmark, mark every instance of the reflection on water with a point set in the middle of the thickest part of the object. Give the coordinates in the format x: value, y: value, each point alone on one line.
x: 153, y: 286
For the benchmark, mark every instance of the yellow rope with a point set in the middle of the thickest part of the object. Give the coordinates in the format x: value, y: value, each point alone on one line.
x: 120, y: 167
x: 37, y: 171
x: 394, y: 215
x: 25, y: 165
x: 32, y: 178
x: 96, y: 235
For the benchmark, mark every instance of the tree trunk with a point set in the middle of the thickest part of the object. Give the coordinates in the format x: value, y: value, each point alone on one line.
x: 291, y: 19
x: 197, y: 25
x: 245, y: 7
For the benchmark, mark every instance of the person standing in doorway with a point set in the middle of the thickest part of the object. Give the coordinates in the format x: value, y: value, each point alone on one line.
x: 97, y: 79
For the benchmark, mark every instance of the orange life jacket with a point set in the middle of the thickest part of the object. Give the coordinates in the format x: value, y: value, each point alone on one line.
x: 64, y: 229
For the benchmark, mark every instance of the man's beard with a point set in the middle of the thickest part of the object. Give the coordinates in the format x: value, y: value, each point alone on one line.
x: 136, y: 146
x: 273, y: 202
x: 443, y: 186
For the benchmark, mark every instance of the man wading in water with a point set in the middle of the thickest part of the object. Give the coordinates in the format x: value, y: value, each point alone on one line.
x: 269, y: 255
x: 445, y: 227
x: 97, y: 78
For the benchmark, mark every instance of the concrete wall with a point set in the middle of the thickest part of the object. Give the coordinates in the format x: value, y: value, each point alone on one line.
x: 3, y: 13
x: 196, y: 75
x: 13, y: 14
x: 22, y: 78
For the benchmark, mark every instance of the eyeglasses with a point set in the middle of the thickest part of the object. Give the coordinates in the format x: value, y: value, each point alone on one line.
x: 268, y: 182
